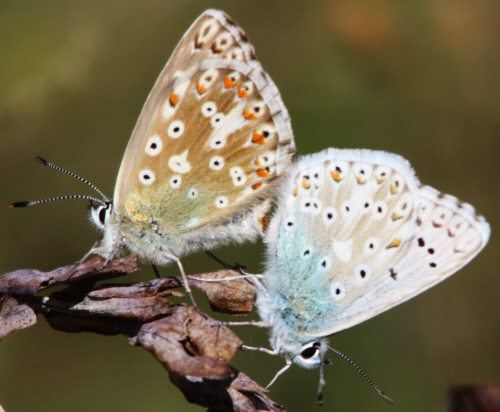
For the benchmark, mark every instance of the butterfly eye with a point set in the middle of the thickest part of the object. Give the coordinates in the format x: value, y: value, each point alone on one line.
x: 102, y: 215
x: 310, y: 351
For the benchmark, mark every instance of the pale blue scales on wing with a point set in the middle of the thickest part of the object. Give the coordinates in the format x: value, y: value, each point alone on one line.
x: 354, y: 234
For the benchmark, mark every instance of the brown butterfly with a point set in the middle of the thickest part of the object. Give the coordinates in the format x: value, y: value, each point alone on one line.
x: 204, y: 160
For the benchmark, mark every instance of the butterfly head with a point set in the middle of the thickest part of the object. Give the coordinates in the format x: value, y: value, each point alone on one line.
x: 309, y: 355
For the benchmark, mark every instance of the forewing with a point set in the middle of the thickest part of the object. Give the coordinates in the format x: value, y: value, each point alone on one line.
x: 212, y: 137
x: 375, y: 237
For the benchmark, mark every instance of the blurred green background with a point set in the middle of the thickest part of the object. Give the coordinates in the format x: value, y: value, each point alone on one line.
x: 419, y: 78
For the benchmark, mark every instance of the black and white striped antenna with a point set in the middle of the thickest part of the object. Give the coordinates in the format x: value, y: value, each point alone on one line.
x: 44, y: 162
x: 379, y: 392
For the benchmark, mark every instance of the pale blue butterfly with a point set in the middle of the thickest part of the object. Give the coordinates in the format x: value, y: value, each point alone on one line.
x: 355, y: 234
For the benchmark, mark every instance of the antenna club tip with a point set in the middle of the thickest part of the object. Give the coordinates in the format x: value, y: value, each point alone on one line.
x: 386, y: 398
x: 19, y: 204
x: 40, y: 160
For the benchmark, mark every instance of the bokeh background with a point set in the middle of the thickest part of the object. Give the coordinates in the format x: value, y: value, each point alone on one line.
x: 419, y: 78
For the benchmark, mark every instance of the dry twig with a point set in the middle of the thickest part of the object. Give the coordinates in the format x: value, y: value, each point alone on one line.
x: 193, y: 348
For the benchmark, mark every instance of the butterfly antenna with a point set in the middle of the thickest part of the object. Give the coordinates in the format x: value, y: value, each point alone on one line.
x: 60, y: 169
x: 103, y: 202
x: 381, y: 394
x: 36, y: 202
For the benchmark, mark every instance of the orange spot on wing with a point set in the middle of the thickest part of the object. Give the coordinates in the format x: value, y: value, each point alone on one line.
x: 257, y: 186
x: 228, y: 83
x: 174, y: 99
x: 263, y: 173
x: 201, y: 89
x: 242, y: 93
x: 258, y: 138
x: 395, y: 243
x: 249, y: 114
x: 336, y: 176
x: 265, y: 222
x: 395, y: 216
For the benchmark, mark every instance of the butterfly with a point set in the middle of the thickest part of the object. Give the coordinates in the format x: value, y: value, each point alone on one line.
x: 355, y: 234
x: 204, y: 159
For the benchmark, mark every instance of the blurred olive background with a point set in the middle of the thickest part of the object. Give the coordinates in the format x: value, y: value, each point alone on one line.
x: 419, y: 78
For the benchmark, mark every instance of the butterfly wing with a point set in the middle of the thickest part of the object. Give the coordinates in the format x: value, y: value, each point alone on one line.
x: 356, y: 234
x: 212, y: 138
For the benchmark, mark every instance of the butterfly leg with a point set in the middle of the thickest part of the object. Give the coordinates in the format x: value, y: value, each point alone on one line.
x: 184, y: 278
x: 93, y: 250
x: 283, y: 369
x: 257, y: 323
x: 288, y: 364
x: 322, y: 383
x: 260, y: 349
x: 155, y: 269
x: 237, y: 267
x: 254, y: 278
x: 247, y: 276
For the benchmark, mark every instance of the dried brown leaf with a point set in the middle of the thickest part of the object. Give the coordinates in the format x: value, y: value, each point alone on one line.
x: 144, y: 308
x: 29, y: 282
x: 243, y: 401
x: 14, y: 315
x: 156, y: 287
x: 142, y: 301
x: 95, y: 268
x: 192, y: 336
x: 24, y: 282
x: 221, y: 395
x: 195, y: 350
x: 234, y: 297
